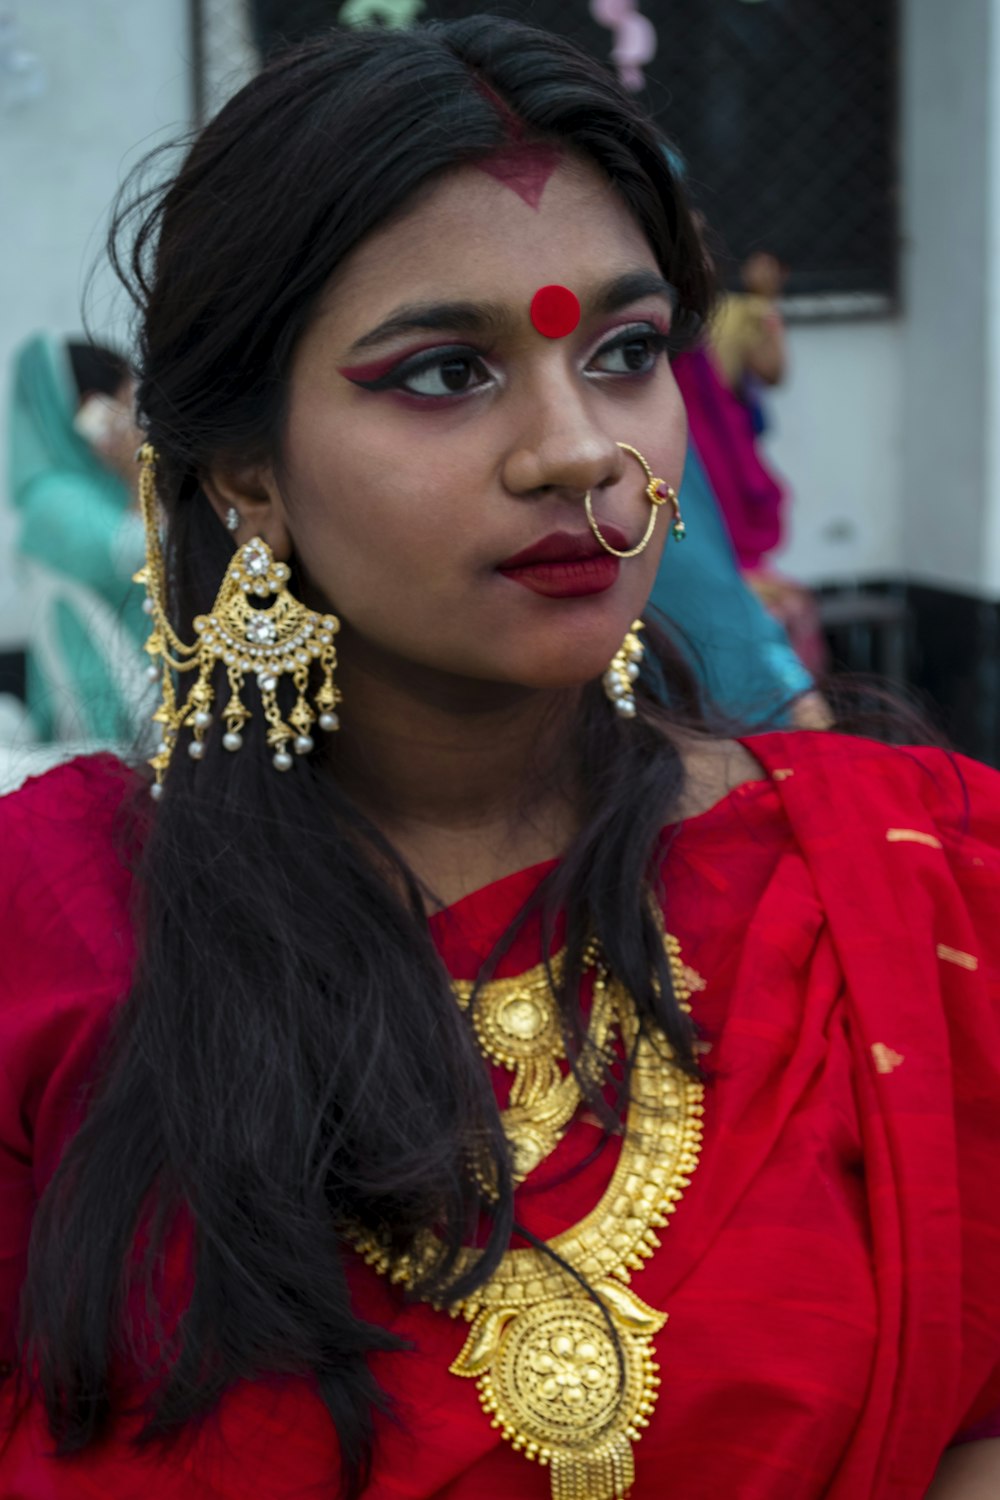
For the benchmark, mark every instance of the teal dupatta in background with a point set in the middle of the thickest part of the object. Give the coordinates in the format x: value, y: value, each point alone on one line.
x: 83, y: 540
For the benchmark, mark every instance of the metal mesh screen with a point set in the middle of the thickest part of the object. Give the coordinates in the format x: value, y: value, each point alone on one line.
x: 786, y: 113
x: 784, y: 110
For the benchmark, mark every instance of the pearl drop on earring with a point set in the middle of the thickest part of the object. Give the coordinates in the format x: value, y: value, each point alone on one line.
x: 623, y: 671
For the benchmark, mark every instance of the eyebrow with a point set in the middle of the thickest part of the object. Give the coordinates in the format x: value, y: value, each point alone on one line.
x: 449, y: 317
x: 486, y: 318
x: 632, y: 287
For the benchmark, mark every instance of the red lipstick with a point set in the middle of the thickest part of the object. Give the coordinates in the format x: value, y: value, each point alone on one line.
x: 566, y: 565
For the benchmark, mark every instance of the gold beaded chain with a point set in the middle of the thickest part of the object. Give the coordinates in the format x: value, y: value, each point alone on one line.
x: 568, y: 1379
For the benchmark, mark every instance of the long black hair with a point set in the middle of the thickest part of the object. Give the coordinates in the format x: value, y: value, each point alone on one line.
x: 290, y: 1060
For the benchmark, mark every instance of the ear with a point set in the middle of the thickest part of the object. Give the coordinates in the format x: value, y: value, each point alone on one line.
x: 252, y: 491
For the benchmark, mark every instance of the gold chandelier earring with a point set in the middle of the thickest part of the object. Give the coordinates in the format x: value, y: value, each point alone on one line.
x: 658, y: 493
x: 244, y: 634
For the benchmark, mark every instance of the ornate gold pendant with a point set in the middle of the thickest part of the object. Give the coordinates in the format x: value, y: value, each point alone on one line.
x: 563, y: 1392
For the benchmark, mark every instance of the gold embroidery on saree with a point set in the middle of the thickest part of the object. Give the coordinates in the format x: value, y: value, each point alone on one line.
x: 912, y: 836
x: 886, y: 1060
x: 956, y: 956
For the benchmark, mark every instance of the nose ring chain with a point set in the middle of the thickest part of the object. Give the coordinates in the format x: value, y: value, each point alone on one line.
x: 658, y: 493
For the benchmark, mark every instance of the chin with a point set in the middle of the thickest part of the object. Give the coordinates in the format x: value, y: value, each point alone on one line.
x: 563, y: 675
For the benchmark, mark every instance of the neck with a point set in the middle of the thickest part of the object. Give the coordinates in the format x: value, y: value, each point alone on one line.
x: 469, y: 780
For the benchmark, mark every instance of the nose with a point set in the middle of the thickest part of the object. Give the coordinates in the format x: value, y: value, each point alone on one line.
x: 561, y: 448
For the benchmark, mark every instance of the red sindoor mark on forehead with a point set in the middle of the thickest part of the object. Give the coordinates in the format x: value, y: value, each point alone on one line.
x: 555, y: 311
x: 525, y: 169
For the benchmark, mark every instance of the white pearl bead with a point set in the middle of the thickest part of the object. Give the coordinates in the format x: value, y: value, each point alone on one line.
x: 268, y: 684
x: 231, y: 740
x: 196, y: 749
x: 163, y: 748
x: 202, y: 719
x: 303, y: 744
x: 156, y: 791
x: 147, y: 605
x: 632, y: 670
x: 626, y: 708
x: 282, y: 760
x: 152, y: 672
x: 329, y: 722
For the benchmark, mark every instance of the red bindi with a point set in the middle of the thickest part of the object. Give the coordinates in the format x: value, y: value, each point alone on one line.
x: 555, y: 311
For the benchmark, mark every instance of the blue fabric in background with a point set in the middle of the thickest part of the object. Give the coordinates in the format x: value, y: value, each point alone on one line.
x: 739, y: 653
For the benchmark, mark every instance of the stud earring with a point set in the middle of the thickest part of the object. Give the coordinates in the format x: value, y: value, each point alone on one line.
x: 624, y: 669
x: 232, y: 519
x: 244, y: 636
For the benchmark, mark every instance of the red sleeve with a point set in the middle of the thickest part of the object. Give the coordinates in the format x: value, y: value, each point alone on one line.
x: 65, y: 958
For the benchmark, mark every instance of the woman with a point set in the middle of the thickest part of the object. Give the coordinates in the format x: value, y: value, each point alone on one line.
x: 403, y: 372
x: 72, y: 480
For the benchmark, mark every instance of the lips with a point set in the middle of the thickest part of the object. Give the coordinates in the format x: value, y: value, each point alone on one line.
x: 566, y: 565
x: 565, y: 547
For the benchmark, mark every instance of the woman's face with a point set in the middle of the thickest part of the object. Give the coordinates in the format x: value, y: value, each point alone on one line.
x: 434, y: 433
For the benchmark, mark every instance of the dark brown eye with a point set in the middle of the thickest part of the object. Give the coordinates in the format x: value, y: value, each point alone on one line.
x: 637, y: 354
x: 634, y: 354
x: 448, y: 375
x: 455, y: 373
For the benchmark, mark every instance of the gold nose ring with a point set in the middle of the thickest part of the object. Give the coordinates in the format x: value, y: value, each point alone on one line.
x: 658, y: 492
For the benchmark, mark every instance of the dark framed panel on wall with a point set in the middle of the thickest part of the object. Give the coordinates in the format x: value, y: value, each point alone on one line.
x: 785, y: 112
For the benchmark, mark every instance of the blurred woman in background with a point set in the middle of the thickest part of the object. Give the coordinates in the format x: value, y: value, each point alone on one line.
x: 72, y: 480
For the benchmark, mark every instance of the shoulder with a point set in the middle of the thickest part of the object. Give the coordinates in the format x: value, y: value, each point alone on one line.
x: 60, y: 816
x: 67, y: 845
x: 929, y: 771
x: 712, y: 769
x: 915, y: 792
x: 66, y: 958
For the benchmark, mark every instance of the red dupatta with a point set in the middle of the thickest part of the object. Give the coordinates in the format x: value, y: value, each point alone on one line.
x: 905, y: 856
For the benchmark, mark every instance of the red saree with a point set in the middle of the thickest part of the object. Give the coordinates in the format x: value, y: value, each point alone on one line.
x: 832, y: 1275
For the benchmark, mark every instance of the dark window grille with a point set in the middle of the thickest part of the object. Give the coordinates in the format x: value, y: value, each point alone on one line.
x: 785, y: 112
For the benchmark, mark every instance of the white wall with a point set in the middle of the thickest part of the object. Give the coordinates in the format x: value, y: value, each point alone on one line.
x: 117, y: 81
x: 947, y: 163
x: 889, y: 431
x: 836, y: 438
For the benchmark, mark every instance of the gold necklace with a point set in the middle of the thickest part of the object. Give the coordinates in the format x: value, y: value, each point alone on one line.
x: 570, y: 1379
x: 517, y: 1027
